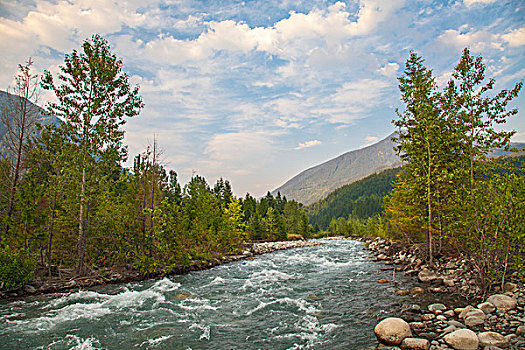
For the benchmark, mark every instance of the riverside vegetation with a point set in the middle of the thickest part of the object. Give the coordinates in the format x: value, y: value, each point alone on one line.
x: 450, y: 197
x: 68, y: 207
x: 467, y: 210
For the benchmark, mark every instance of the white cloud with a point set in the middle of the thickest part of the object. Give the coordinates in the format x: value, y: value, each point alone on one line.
x: 389, y: 69
x: 371, y: 139
x: 516, y: 37
x: 239, y: 147
x: 476, y: 40
x: 474, y: 2
x: 308, y: 144
x: 353, y: 100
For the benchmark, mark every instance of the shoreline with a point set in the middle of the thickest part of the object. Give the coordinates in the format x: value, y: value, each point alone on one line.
x: 493, y: 321
x: 126, y: 275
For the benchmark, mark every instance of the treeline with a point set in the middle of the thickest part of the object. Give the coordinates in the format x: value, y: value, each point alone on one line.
x: 359, y: 200
x: 451, y: 195
x: 67, y: 202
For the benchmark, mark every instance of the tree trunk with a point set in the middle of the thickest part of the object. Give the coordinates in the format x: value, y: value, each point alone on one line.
x: 430, y: 248
x: 153, y: 177
x: 81, y: 228
x: 50, y: 233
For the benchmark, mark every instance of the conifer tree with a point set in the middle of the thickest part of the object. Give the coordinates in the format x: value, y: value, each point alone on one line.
x: 419, y: 132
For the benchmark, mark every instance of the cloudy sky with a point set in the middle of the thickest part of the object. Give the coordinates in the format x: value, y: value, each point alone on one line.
x: 257, y: 91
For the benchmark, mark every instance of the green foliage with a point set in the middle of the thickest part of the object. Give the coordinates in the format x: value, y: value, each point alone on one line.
x: 93, y: 98
x: 451, y: 194
x: 15, y: 269
x: 361, y: 199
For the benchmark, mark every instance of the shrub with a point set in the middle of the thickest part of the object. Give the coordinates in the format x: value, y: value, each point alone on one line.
x: 15, y: 269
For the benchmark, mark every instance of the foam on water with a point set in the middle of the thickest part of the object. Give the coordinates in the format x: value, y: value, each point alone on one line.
x: 313, y: 298
x: 205, y: 331
x: 193, y: 304
x: 300, y: 304
x: 73, y: 342
x: 155, y: 342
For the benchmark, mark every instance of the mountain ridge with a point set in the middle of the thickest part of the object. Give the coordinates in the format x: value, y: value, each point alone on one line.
x: 5, y: 101
x: 315, y: 183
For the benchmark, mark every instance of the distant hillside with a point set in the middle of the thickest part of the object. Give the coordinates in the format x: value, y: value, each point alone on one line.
x: 363, y: 199
x: 5, y: 103
x: 513, y: 145
x: 316, y: 183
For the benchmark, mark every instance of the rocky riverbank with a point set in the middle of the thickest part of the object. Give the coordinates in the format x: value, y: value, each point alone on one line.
x: 489, y: 323
x: 66, y: 281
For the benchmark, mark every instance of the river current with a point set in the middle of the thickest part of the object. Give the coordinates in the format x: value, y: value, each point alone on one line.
x: 321, y: 297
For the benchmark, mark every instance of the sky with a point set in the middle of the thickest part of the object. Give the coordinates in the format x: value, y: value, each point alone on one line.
x: 258, y: 91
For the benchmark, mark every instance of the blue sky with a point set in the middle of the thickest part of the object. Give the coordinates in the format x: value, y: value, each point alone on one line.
x: 257, y: 91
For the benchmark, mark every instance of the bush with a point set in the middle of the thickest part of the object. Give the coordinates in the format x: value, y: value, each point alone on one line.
x: 15, y: 270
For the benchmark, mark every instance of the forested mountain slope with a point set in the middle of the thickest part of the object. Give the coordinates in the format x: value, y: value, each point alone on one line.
x: 363, y: 199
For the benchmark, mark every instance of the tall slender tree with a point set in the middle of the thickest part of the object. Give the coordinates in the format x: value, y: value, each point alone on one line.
x: 18, y: 120
x: 419, y: 132
x: 94, y: 96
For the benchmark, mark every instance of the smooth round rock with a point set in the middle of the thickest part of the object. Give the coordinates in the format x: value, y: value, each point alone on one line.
x: 392, y: 331
x: 493, y: 339
x: 436, y: 307
x: 510, y: 287
x: 402, y: 292
x: 415, y: 344
x: 502, y: 302
x: 477, y: 313
x: 462, y: 339
x: 426, y: 275
x: 486, y: 307
x: 417, y: 290
x: 428, y: 317
x: 473, y: 321
x: 463, y: 311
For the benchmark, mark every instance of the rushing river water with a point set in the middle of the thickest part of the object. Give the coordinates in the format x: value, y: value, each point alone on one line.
x: 322, y: 297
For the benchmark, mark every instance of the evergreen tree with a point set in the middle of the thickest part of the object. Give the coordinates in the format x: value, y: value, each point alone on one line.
x: 419, y: 138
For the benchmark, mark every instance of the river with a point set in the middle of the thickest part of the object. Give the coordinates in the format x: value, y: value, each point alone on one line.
x: 321, y: 297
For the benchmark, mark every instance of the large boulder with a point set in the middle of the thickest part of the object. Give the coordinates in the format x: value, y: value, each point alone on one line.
x: 462, y: 339
x: 392, y: 331
x: 502, y: 302
x: 492, y: 339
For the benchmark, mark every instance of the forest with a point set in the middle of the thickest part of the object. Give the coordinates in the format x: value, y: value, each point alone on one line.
x: 451, y: 196
x: 360, y: 200
x: 67, y: 203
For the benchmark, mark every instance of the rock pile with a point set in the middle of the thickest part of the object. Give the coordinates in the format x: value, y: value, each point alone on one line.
x: 497, y: 323
x: 269, y: 247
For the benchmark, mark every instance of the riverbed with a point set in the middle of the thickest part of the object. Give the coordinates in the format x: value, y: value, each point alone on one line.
x: 321, y: 297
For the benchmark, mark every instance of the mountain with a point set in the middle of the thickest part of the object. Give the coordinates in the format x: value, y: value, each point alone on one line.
x: 361, y: 199
x: 5, y: 103
x: 316, y: 183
